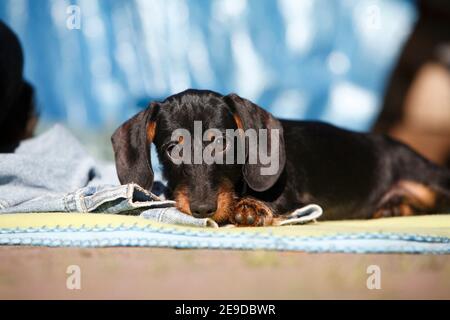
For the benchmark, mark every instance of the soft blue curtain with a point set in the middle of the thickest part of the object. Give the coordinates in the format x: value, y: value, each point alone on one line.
x: 303, y: 59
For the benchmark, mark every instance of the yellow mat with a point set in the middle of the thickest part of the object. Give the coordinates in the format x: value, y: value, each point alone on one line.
x: 433, y: 225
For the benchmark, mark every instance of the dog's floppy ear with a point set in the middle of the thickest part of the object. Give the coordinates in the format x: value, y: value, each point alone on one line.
x: 131, y: 144
x: 249, y: 116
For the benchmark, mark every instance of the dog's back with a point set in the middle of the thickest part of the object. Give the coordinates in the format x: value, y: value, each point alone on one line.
x: 354, y: 175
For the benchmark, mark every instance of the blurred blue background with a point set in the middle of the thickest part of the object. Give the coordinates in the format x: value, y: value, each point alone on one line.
x: 302, y: 59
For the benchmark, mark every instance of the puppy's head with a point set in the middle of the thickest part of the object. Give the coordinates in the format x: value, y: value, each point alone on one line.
x: 192, y: 131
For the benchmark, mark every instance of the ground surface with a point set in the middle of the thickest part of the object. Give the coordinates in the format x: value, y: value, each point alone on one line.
x: 36, y: 273
x: 27, y: 272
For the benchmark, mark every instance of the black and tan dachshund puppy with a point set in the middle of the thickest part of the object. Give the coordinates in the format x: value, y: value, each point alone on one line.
x: 351, y: 175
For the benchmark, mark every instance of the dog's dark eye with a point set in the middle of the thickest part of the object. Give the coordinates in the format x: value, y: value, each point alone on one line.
x: 175, y: 154
x: 221, y: 143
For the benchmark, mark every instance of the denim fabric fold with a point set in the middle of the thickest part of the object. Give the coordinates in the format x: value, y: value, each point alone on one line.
x: 53, y: 173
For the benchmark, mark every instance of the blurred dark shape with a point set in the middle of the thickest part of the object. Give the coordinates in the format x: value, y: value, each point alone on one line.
x: 17, y: 118
x: 416, y: 106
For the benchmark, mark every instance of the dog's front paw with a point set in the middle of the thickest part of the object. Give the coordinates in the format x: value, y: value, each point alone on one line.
x: 250, y: 212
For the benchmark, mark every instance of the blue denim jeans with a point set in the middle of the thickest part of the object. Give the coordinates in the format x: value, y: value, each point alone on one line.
x: 54, y: 173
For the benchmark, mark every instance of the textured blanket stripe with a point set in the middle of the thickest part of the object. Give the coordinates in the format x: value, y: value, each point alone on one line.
x: 426, y: 234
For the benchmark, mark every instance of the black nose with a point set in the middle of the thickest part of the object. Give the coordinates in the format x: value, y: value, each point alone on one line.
x: 203, y: 210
